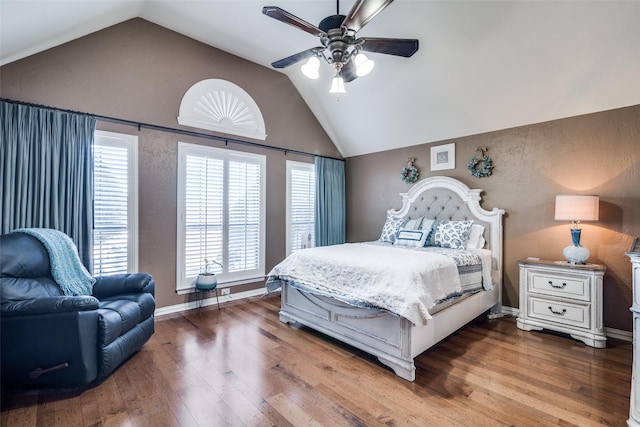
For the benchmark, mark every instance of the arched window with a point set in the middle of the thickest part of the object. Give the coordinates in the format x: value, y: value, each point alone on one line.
x: 221, y: 106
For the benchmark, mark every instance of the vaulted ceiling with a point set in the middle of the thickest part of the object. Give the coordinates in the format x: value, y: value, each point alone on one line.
x: 481, y: 66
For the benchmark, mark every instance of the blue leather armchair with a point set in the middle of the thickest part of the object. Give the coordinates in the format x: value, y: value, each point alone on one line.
x: 48, y: 338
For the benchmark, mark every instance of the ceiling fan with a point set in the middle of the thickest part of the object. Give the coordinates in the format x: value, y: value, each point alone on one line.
x: 340, y: 47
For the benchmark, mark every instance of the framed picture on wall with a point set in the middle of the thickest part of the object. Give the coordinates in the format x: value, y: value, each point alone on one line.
x: 443, y: 157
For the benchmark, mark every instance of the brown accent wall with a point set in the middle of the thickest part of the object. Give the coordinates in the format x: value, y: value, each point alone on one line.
x: 591, y: 154
x: 139, y: 71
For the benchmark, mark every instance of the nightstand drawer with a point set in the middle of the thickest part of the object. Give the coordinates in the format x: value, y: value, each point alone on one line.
x: 560, y: 312
x: 565, y: 286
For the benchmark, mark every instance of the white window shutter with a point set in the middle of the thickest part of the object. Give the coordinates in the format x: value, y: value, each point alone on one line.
x: 203, y: 212
x: 115, y: 203
x: 220, y: 213
x: 244, y: 215
x: 300, y: 206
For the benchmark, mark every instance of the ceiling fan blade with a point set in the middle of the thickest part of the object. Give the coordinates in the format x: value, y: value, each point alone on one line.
x: 300, y: 56
x: 348, y: 72
x: 362, y: 12
x: 398, y: 47
x: 284, y: 16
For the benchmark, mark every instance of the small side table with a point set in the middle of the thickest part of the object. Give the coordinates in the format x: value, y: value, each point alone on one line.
x: 564, y: 298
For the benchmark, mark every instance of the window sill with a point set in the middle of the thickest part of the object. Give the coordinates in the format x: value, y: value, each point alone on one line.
x: 226, y: 284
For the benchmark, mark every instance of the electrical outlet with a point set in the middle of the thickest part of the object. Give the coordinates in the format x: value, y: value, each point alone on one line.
x: 225, y: 291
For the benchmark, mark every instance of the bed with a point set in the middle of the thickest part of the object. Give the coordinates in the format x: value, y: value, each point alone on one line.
x: 397, y: 336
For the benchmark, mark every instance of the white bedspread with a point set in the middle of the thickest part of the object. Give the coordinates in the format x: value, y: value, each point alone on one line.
x: 404, y: 281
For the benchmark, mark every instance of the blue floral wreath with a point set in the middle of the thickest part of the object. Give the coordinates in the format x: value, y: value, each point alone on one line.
x: 410, y: 173
x: 487, y: 165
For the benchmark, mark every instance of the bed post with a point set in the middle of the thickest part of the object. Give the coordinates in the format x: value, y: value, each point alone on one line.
x: 495, y: 312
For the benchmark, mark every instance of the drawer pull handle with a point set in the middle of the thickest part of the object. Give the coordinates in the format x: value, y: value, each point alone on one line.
x: 557, y: 286
x: 558, y: 313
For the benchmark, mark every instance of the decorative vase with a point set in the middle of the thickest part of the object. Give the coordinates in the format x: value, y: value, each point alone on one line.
x: 576, y: 253
x: 206, y: 282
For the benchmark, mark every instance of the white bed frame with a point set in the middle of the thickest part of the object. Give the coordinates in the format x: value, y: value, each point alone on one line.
x: 393, y: 339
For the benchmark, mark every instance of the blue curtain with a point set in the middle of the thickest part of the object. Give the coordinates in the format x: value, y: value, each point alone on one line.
x: 46, y: 168
x: 330, y: 202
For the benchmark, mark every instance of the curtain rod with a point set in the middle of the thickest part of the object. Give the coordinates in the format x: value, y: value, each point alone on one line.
x: 168, y: 129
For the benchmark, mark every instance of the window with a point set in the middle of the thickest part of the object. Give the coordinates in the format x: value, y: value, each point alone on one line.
x: 301, y: 190
x: 115, y: 203
x: 221, y: 211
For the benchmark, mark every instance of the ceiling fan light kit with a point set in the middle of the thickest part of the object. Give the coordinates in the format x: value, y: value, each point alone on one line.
x: 340, y: 47
x: 337, y: 85
x: 364, y: 65
x: 311, y: 68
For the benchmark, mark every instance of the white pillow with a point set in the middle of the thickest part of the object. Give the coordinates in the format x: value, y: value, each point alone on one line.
x: 476, y: 238
x: 452, y: 234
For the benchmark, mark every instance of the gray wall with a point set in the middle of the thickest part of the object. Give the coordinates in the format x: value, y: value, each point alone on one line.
x: 592, y: 154
x: 139, y: 71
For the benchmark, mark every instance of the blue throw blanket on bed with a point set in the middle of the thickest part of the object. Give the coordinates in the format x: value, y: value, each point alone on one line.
x: 66, y: 268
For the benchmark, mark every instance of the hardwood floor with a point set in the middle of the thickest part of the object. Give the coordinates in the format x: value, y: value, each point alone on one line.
x: 241, y: 366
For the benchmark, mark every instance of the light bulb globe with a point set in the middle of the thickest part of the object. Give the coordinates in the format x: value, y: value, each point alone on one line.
x: 363, y: 65
x: 311, y: 68
x: 337, y: 85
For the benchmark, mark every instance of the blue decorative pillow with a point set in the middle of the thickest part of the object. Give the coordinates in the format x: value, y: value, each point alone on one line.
x: 452, y: 234
x: 431, y: 240
x: 390, y: 229
x: 413, y: 238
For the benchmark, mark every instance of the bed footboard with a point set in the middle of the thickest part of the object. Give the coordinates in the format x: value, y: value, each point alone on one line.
x: 394, y: 340
x: 378, y: 332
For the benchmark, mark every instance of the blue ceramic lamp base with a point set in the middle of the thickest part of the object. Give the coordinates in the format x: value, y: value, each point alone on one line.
x: 575, y: 253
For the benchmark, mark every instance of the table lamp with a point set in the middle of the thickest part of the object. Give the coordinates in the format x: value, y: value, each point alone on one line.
x: 576, y: 208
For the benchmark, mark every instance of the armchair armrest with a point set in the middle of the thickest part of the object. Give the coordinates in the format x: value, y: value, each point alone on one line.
x: 119, y: 284
x: 50, y: 305
x: 39, y: 344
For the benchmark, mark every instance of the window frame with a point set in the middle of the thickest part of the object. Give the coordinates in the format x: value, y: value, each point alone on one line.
x: 130, y: 142
x: 291, y: 166
x: 185, y: 284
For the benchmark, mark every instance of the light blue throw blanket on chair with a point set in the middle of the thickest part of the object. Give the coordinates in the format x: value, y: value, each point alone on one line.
x: 66, y: 268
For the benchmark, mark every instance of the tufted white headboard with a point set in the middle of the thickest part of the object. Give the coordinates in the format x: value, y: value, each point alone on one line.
x: 444, y: 198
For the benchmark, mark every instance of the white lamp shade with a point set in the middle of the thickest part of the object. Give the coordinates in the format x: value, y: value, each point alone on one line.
x: 311, y: 68
x: 574, y: 207
x: 337, y: 85
x: 363, y: 65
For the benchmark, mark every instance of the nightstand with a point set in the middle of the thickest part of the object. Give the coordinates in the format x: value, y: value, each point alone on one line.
x: 562, y: 297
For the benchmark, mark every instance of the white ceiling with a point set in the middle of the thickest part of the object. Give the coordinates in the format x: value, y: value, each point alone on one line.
x: 481, y: 66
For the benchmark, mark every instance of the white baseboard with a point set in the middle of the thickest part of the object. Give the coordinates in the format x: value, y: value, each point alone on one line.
x: 609, y: 332
x: 619, y: 334
x: 508, y: 311
x: 191, y: 305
